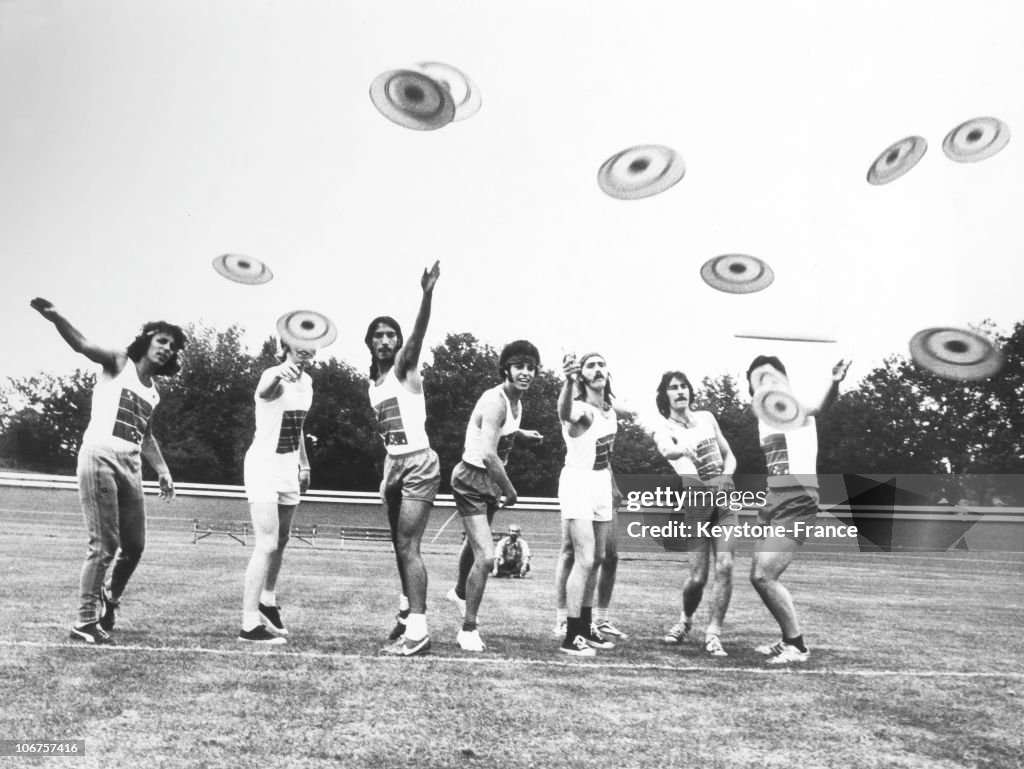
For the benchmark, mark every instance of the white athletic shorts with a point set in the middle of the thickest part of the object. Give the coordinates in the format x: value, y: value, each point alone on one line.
x: 585, y: 495
x: 272, y: 479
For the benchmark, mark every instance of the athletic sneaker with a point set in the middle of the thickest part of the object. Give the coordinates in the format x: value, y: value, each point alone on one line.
x: 607, y: 628
x: 713, y: 646
x: 677, y: 633
x: 596, y: 640
x: 789, y: 654
x: 770, y: 650
x: 577, y: 647
x: 470, y: 641
x: 272, y: 614
x: 91, y: 633
x: 260, y: 635
x: 399, y: 629
x: 460, y: 603
x: 405, y: 647
x: 560, y: 629
x: 107, y: 607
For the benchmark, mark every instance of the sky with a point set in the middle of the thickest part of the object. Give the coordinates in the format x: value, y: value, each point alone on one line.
x: 140, y: 140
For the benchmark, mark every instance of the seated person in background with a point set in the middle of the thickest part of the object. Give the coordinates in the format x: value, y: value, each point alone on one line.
x: 512, y: 554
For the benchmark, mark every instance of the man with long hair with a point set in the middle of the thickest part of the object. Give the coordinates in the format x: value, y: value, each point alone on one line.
x: 119, y: 435
x: 693, y: 444
x: 412, y: 471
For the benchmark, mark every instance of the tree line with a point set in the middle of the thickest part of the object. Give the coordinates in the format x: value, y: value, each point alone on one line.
x: 897, y: 419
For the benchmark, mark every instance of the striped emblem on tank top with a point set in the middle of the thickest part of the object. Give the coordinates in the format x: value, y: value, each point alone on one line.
x: 133, y: 414
x: 389, y: 423
x: 291, y: 429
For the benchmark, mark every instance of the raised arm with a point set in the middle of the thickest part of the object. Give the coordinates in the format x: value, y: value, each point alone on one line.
x: 408, y: 359
x: 838, y: 375
x: 111, y: 360
x: 570, y: 411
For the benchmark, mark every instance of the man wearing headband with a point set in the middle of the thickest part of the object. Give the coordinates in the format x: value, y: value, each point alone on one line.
x: 693, y: 444
x: 480, y: 484
x: 792, y: 458
x: 110, y: 462
x: 412, y: 471
x: 588, y: 496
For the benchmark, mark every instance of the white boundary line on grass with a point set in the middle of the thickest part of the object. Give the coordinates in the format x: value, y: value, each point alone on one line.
x: 249, y: 652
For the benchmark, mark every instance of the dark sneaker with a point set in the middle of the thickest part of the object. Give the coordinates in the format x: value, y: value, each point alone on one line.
x: 405, y: 647
x: 260, y: 635
x: 399, y: 630
x: 107, y: 607
x: 596, y: 640
x: 577, y: 647
x: 91, y: 634
x: 272, y: 614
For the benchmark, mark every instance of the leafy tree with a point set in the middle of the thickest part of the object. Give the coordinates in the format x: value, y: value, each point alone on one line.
x: 42, y: 419
x: 341, y: 435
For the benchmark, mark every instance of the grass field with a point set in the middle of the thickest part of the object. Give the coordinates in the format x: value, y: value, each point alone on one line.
x: 917, y: 661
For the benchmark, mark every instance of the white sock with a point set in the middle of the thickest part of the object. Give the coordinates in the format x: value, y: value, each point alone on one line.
x: 415, y: 626
x: 403, y: 603
x: 268, y: 598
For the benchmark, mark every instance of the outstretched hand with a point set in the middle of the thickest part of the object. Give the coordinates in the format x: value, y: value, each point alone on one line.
x: 570, y: 366
x: 430, y: 277
x: 839, y: 370
x: 44, y: 307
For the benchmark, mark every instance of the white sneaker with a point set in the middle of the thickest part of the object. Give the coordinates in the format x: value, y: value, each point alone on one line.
x: 560, y: 629
x: 607, y: 628
x: 713, y: 646
x: 770, y: 650
x: 470, y: 641
x: 460, y: 603
x: 789, y: 654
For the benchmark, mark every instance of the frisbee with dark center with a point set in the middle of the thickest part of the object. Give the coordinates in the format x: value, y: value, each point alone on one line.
x: 737, y: 273
x: 897, y: 159
x: 242, y: 269
x: 640, y: 172
x: 412, y: 99
x: 306, y: 328
x: 954, y: 353
x: 777, y: 407
x: 976, y: 139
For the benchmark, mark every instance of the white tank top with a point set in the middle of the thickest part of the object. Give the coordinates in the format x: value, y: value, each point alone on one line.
x: 401, y: 416
x: 279, y: 421
x: 593, y: 449
x: 701, y: 438
x: 121, y: 410
x: 473, y: 453
x: 789, y: 454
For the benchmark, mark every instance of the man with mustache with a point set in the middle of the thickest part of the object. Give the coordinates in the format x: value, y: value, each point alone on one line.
x: 693, y: 444
x: 588, y: 496
x: 412, y: 471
